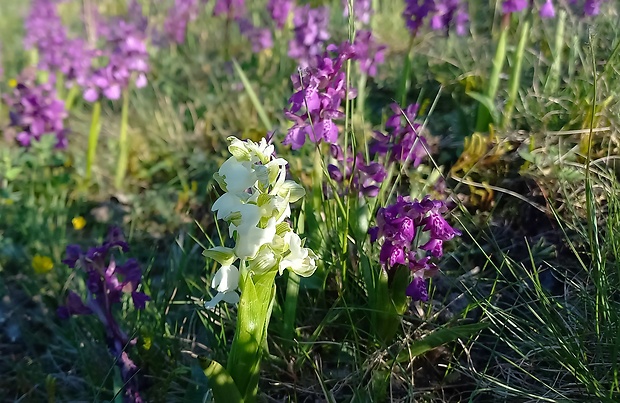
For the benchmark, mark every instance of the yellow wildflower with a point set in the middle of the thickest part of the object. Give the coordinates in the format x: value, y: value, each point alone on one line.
x: 12, y: 83
x: 42, y: 264
x: 78, y: 223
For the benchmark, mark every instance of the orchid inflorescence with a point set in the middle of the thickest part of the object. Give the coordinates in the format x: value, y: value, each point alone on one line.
x: 320, y: 91
x: 440, y: 14
x: 256, y: 206
x: 401, y: 229
x: 35, y: 110
x: 279, y: 10
x: 402, y: 143
x: 547, y: 8
x: 106, y: 283
x: 123, y: 48
x: 126, y: 53
x: 183, y: 11
x: 310, y: 34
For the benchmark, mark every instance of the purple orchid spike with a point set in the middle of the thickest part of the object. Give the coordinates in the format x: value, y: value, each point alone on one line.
x: 106, y: 282
x: 399, y: 228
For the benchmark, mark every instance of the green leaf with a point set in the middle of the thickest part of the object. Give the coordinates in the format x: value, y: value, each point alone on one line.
x: 12, y: 173
x: 488, y: 103
x: 438, y: 338
x: 253, y: 97
x: 220, y: 381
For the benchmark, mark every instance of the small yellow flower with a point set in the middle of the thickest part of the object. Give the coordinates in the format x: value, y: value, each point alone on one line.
x: 12, y: 83
x: 42, y: 264
x: 78, y: 223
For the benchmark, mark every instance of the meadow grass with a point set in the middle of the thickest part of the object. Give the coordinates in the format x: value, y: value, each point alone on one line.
x: 524, y: 305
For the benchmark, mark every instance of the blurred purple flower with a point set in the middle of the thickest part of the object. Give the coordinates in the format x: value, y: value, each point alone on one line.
x: 547, y: 10
x: 514, y: 6
x: 319, y: 92
x: 106, y: 282
x: 36, y: 111
x: 443, y: 15
x: 402, y: 141
x: 310, y: 34
x: 279, y: 11
x: 589, y: 7
x: 127, y: 57
x: 57, y: 52
x: 364, y: 178
x: 179, y: 16
x: 232, y: 9
x: 260, y: 38
x: 362, y: 10
x: 368, y: 52
x: 400, y: 226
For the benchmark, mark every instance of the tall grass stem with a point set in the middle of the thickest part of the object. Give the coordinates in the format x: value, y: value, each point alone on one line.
x: 484, y: 115
x: 93, y: 140
x: 515, y: 75
x: 123, y: 146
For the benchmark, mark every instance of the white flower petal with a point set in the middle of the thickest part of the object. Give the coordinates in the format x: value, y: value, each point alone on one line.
x: 251, y: 238
x: 226, y: 279
x: 238, y: 175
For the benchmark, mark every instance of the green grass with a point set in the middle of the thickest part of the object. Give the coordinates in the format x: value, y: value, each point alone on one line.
x: 525, y: 306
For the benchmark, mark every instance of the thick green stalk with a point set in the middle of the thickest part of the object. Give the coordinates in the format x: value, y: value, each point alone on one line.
x: 123, y: 146
x: 93, y: 139
x: 515, y: 75
x: 484, y: 115
x: 255, y: 306
x: 553, y: 79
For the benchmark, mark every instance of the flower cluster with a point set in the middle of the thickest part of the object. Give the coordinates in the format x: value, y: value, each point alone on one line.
x: 547, y: 9
x: 57, y: 52
x: 368, y: 52
x: 178, y: 17
x: 256, y: 206
x: 310, y: 34
x: 232, y: 9
x: 590, y: 7
x: 106, y: 282
x: 279, y: 11
x: 319, y: 92
x: 127, y: 57
x: 443, y: 14
x: 260, y: 38
x: 401, y: 229
x: 35, y: 111
x: 365, y: 178
x: 403, y: 141
x: 362, y: 10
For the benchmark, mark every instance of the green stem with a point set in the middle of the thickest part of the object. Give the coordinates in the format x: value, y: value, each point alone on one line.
x: 123, y: 147
x: 551, y: 86
x: 70, y: 100
x: 515, y: 76
x: 93, y: 139
x: 361, y: 94
x: 484, y: 115
x: 405, y: 79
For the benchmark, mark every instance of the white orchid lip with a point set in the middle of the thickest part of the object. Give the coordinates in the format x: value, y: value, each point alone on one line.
x: 256, y: 205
